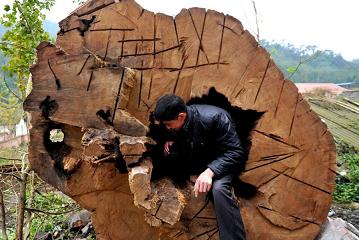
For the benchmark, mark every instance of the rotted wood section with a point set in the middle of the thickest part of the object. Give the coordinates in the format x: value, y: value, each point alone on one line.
x: 111, y: 62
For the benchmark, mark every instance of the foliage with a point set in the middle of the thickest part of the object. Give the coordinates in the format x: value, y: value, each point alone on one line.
x: 347, y: 188
x: 22, y: 30
x: 51, y: 202
x: 6, y: 154
x: 308, y: 64
x: 23, y: 21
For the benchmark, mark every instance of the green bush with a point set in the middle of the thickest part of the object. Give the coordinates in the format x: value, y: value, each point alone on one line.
x: 51, y: 202
x: 347, y: 187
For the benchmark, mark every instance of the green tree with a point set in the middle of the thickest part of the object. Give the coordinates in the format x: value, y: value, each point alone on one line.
x: 23, y: 21
x: 24, y: 31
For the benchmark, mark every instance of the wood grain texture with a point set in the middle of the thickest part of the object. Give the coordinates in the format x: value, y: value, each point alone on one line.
x: 112, y: 61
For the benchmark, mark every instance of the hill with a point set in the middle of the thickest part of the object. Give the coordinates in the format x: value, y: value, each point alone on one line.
x: 323, y: 66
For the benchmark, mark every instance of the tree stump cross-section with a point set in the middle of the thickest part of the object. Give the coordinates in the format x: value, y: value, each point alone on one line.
x: 99, y: 82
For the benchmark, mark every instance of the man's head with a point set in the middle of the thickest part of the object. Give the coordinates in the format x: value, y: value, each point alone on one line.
x: 171, y: 111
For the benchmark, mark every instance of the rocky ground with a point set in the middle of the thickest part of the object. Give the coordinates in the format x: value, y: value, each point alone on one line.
x: 349, y: 213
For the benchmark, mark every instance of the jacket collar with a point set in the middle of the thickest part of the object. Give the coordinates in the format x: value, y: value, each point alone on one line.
x: 188, y: 125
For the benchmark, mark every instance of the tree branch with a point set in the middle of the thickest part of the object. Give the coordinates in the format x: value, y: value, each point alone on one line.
x: 257, y: 22
x: 13, y: 93
x: 2, y: 217
x: 51, y: 213
x: 310, y: 58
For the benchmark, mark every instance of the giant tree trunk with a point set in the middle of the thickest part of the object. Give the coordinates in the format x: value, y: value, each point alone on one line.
x: 98, y: 84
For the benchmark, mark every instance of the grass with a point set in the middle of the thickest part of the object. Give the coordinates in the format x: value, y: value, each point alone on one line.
x: 7, y: 154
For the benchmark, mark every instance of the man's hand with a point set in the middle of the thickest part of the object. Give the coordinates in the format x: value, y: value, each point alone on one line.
x: 204, y: 182
x: 167, y: 146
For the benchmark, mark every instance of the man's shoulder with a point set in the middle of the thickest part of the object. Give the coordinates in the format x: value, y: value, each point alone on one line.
x: 208, y: 113
x: 207, y: 110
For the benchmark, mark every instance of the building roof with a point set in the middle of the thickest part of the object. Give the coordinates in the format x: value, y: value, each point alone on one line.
x: 310, y: 87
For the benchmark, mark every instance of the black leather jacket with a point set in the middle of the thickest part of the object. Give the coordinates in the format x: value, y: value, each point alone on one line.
x: 212, y: 141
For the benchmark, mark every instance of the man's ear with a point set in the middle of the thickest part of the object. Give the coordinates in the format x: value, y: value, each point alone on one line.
x: 182, y: 115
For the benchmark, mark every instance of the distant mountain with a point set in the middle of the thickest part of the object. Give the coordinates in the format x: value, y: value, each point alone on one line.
x: 326, y: 66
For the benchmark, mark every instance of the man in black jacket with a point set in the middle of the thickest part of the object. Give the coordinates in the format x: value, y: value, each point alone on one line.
x: 212, y: 157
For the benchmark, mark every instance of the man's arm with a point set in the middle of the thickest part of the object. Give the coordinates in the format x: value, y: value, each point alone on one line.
x: 230, y: 147
x: 227, y: 140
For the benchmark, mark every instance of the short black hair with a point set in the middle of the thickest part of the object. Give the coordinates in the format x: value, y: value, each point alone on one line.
x: 168, y: 107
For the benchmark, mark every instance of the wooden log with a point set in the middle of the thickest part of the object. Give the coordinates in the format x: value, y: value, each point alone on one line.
x: 111, y: 62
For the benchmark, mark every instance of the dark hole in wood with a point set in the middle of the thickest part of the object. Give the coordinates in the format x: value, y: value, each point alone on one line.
x: 105, y: 115
x: 48, y: 107
x: 245, y: 120
x: 86, y: 25
x: 56, y: 149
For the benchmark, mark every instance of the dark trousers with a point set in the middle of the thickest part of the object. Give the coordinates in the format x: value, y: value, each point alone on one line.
x: 229, y: 219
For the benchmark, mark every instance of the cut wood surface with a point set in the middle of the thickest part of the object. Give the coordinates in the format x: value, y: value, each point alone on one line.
x: 99, y: 83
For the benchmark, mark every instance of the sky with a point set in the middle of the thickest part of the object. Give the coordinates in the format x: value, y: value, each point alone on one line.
x: 327, y: 24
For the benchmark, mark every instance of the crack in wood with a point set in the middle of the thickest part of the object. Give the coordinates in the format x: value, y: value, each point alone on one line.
x: 200, y: 210
x: 270, y: 163
x: 107, y: 45
x: 89, y: 82
x: 324, y: 132
x: 272, y: 178
x: 231, y: 30
x: 242, y: 76
x: 298, y: 218
x: 212, y: 234
x: 279, y: 98
x: 136, y: 50
x: 294, y: 113
x: 178, y: 234
x: 122, y: 45
x: 118, y: 94
x: 95, y: 9
x: 141, y: 83
x: 221, y: 43
x: 207, y: 218
x: 275, y: 156
x: 175, y: 26
x: 141, y: 14
x: 200, y: 40
x: 260, y: 85
x: 150, y: 88
x: 189, y: 67
x: 57, y: 80
x: 305, y: 183
x: 140, y: 40
x: 112, y: 29
x: 62, y: 32
x: 204, y: 233
x: 200, y: 46
x: 178, y: 76
x: 146, y: 105
x: 83, y: 66
x: 276, y: 138
x: 154, y: 36
x: 151, y: 53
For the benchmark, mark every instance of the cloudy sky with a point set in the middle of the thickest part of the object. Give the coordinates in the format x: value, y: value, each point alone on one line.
x: 328, y: 24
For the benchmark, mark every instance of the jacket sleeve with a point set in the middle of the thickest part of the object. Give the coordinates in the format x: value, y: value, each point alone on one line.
x: 231, y: 152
